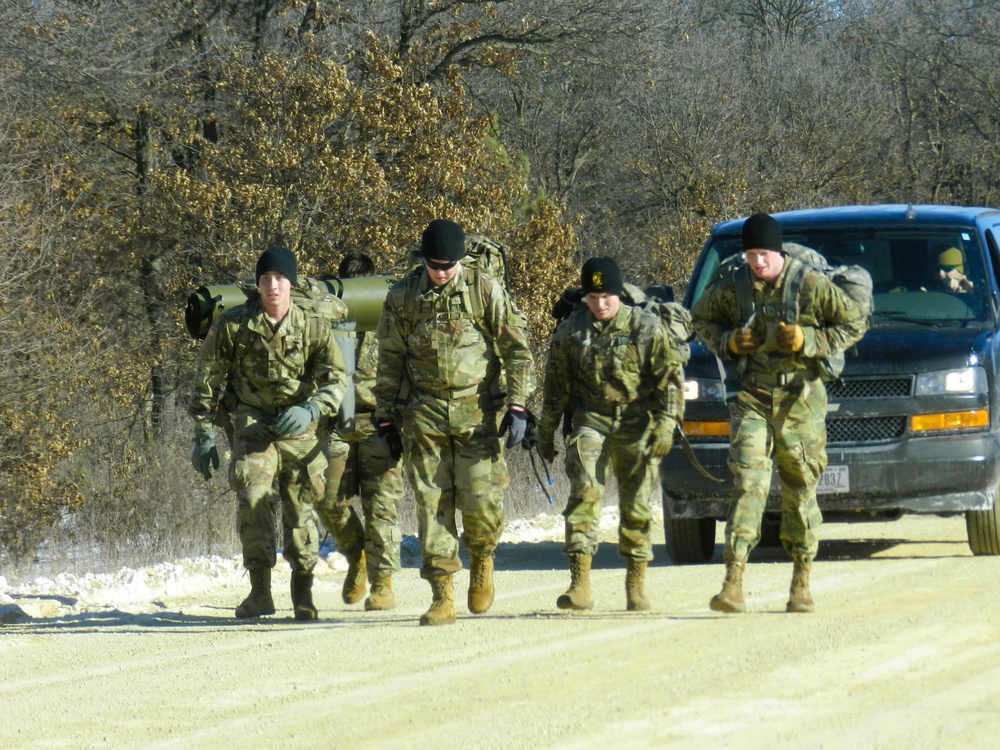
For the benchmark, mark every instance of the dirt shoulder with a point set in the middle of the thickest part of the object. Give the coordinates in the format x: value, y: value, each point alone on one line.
x: 902, y: 652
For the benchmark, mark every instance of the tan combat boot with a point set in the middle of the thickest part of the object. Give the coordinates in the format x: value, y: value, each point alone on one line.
x: 730, y: 599
x: 578, y: 595
x: 382, y: 596
x: 259, y: 602
x: 799, y: 599
x: 442, y: 611
x: 356, y: 580
x: 635, y: 586
x: 480, y: 583
x: 302, y: 600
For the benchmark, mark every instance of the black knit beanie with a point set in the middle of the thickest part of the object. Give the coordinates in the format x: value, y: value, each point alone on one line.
x: 601, y: 276
x: 278, y: 259
x: 761, y: 232
x: 443, y: 240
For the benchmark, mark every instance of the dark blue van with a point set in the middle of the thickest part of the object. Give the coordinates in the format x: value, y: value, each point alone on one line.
x: 914, y: 420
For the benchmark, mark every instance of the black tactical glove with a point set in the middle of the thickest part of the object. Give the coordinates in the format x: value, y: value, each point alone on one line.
x: 204, y: 457
x: 388, y: 437
x: 531, y: 433
x: 514, y: 425
x: 547, y: 446
x: 294, y: 420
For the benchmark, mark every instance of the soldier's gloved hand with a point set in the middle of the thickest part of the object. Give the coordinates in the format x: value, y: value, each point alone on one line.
x: 661, y: 439
x: 547, y: 446
x: 389, y: 437
x: 294, y: 420
x: 742, y: 341
x: 790, y: 337
x: 514, y: 425
x: 204, y: 457
x: 530, y: 434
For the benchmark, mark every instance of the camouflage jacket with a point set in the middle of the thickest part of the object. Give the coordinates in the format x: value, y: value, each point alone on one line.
x: 625, y: 366
x: 365, y: 369
x: 273, y: 368
x: 831, y: 322
x: 451, y: 341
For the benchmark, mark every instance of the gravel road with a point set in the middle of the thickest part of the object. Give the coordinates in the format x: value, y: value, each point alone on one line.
x: 902, y: 652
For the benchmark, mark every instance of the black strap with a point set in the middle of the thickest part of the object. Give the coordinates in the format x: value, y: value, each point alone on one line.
x: 691, y: 457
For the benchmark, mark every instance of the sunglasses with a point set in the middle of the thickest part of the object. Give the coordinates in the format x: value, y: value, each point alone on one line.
x: 946, y: 269
x: 436, y: 265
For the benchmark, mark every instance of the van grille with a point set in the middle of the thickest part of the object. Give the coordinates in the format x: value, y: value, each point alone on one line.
x: 864, y: 429
x: 861, y: 388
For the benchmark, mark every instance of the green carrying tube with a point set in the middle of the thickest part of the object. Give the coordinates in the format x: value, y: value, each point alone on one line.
x: 364, y: 297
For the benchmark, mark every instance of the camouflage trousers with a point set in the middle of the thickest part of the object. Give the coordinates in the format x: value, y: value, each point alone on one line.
x: 266, y: 471
x: 791, y: 425
x: 361, y: 466
x: 455, y: 465
x: 593, y: 445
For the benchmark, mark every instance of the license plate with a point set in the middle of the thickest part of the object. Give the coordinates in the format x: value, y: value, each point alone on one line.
x: 834, y: 479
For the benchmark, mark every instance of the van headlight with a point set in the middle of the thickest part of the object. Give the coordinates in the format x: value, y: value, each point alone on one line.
x: 965, y: 380
x: 704, y: 389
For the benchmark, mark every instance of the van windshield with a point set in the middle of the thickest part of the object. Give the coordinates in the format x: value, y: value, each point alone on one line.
x: 922, y: 274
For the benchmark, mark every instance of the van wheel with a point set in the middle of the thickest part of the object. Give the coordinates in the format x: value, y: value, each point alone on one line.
x: 690, y: 540
x: 983, y: 529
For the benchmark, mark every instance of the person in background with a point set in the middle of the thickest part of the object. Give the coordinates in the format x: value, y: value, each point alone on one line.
x: 361, y: 464
x: 948, y: 272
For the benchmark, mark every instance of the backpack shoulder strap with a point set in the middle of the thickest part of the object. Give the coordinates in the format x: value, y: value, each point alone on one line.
x: 744, y: 291
x: 476, y: 296
x: 793, y: 285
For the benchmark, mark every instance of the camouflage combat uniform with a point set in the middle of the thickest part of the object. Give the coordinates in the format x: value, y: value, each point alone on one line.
x: 434, y: 352
x: 273, y: 369
x: 781, y: 404
x: 359, y: 464
x: 619, y: 377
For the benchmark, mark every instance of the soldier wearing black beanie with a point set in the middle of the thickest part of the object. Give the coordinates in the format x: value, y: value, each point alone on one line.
x: 601, y: 276
x: 761, y: 232
x: 443, y: 240
x: 280, y: 260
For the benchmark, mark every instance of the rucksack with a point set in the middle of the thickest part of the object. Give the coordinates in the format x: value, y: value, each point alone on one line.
x: 656, y: 299
x: 488, y: 256
x: 322, y: 309
x: 482, y: 253
x: 853, y: 280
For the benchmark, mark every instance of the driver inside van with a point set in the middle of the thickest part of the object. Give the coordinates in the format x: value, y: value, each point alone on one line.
x: 948, y: 272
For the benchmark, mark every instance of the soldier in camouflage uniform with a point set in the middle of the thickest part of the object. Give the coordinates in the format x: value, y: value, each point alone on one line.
x: 445, y: 334
x: 781, y: 405
x: 287, y: 371
x: 615, y: 366
x: 359, y: 463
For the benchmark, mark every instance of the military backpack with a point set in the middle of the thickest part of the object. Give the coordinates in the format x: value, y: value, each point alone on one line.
x: 853, y: 280
x: 656, y: 299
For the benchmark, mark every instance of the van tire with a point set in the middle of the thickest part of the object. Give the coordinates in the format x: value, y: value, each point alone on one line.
x: 983, y: 529
x: 690, y: 541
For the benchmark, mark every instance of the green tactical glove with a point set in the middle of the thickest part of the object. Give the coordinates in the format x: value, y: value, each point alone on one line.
x: 204, y: 457
x: 661, y: 439
x: 294, y: 420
